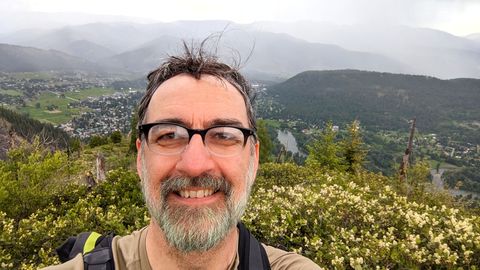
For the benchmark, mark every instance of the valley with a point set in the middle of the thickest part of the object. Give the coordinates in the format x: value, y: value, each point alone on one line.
x: 85, y: 105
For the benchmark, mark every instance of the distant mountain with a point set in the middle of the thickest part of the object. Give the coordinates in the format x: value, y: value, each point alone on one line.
x: 12, y: 21
x: 275, y: 49
x: 475, y: 37
x: 87, y: 50
x: 263, y: 53
x: 425, y: 51
x: 26, y: 59
x: 383, y: 101
x: 147, y: 57
x: 113, y: 35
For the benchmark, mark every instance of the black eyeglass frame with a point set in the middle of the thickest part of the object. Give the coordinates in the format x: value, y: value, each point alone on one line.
x: 145, y: 128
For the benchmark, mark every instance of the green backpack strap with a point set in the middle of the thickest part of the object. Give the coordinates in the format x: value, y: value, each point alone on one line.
x: 95, y: 248
x: 97, y: 251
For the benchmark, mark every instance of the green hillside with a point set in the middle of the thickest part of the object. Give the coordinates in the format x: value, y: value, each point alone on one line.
x: 28, y: 128
x: 382, y: 101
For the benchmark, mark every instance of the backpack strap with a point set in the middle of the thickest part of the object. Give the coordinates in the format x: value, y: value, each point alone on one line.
x: 252, y: 254
x: 95, y: 248
x: 97, y: 251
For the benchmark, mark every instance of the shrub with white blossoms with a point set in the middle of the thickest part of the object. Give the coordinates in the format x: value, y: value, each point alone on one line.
x: 345, y: 221
x: 339, y: 220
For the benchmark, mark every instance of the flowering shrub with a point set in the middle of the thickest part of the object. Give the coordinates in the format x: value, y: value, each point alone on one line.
x: 339, y: 220
x: 114, y: 206
x: 342, y: 224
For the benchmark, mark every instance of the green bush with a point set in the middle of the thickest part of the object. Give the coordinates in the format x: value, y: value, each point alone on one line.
x: 116, y: 206
x: 341, y: 221
x: 338, y: 219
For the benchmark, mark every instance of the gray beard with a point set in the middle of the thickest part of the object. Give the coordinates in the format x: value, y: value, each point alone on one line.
x: 195, y: 229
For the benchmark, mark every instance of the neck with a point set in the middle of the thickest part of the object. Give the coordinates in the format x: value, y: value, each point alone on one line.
x: 162, y: 255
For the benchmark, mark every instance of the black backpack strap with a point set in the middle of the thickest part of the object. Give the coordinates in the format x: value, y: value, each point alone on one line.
x: 252, y: 254
x: 96, y: 250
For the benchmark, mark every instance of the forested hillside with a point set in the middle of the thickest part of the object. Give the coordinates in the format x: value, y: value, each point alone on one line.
x: 382, y: 101
x: 16, y: 126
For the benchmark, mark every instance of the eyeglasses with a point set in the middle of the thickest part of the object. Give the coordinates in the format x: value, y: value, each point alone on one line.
x: 171, y: 139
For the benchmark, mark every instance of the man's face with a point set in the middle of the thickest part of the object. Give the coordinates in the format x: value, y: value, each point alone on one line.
x: 196, y: 197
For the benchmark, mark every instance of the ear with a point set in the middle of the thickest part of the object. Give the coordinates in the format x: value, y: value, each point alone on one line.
x: 138, y: 143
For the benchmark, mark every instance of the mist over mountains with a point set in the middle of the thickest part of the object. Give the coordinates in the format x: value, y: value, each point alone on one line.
x: 267, y: 49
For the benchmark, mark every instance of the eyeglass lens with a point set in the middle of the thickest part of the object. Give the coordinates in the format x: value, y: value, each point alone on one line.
x: 169, y: 139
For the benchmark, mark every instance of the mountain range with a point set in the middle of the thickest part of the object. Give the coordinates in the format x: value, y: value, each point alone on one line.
x: 267, y: 49
x: 27, y: 59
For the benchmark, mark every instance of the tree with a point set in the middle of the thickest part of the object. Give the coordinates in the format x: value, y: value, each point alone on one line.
x: 266, y: 144
x: 354, y: 150
x: 133, y: 132
x: 75, y: 145
x: 97, y: 140
x: 326, y: 152
x: 116, y: 137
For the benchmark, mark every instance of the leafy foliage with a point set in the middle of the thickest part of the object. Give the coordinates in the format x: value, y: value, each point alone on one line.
x: 347, y: 154
x: 31, y: 177
x: 341, y: 220
x: 326, y: 152
x: 345, y: 221
x: 266, y: 145
x: 353, y: 148
x: 116, y: 137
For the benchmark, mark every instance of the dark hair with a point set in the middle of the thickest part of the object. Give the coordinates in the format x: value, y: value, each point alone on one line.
x: 197, y: 62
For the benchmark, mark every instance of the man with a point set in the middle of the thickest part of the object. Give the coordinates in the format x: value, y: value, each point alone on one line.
x: 197, y: 159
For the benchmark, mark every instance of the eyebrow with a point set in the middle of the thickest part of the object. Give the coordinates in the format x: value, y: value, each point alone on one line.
x: 211, y: 123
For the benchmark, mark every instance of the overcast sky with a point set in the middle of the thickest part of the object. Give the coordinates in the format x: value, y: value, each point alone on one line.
x: 459, y: 17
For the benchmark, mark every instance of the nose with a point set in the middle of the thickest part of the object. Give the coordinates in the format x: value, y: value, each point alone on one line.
x: 195, y: 160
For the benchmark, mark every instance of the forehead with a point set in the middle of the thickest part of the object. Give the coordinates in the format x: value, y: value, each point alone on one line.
x: 196, y: 102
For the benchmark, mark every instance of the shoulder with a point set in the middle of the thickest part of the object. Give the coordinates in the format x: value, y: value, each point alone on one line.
x: 280, y: 259
x: 129, y: 252
x: 73, y: 264
x: 126, y: 250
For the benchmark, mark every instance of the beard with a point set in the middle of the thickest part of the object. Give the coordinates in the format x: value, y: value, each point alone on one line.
x: 196, y: 229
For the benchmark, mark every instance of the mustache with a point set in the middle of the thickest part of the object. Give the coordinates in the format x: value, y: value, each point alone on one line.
x: 178, y: 183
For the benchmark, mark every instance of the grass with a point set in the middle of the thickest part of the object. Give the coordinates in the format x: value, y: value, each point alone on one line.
x: 32, y: 75
x: 62, y: 113
x: 11, y: 92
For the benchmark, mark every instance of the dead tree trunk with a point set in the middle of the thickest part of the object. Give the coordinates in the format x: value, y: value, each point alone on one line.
x: 406, y: 157
x: 100, y: 168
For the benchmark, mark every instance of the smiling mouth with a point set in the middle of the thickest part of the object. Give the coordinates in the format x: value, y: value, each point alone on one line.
x: 200, y: 193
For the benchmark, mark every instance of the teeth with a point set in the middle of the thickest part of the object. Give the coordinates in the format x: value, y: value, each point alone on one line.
x: 196, y: 193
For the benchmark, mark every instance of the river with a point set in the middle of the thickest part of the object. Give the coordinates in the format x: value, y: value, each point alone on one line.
x: 439, y: 184
x: 286, y: 138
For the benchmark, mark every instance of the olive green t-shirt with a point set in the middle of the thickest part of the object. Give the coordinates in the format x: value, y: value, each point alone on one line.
x: 130, y: 253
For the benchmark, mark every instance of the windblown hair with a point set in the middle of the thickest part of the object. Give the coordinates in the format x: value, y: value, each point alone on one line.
x: 196, y: 61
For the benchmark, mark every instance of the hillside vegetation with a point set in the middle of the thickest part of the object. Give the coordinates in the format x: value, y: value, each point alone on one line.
x: 17, y: 126
x: 28, y: 59
x: 382, y: 101
x: 340, y: 216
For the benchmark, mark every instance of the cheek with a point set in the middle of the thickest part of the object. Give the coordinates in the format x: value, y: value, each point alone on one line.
x: 157, y: 169
x: 236, y: 171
